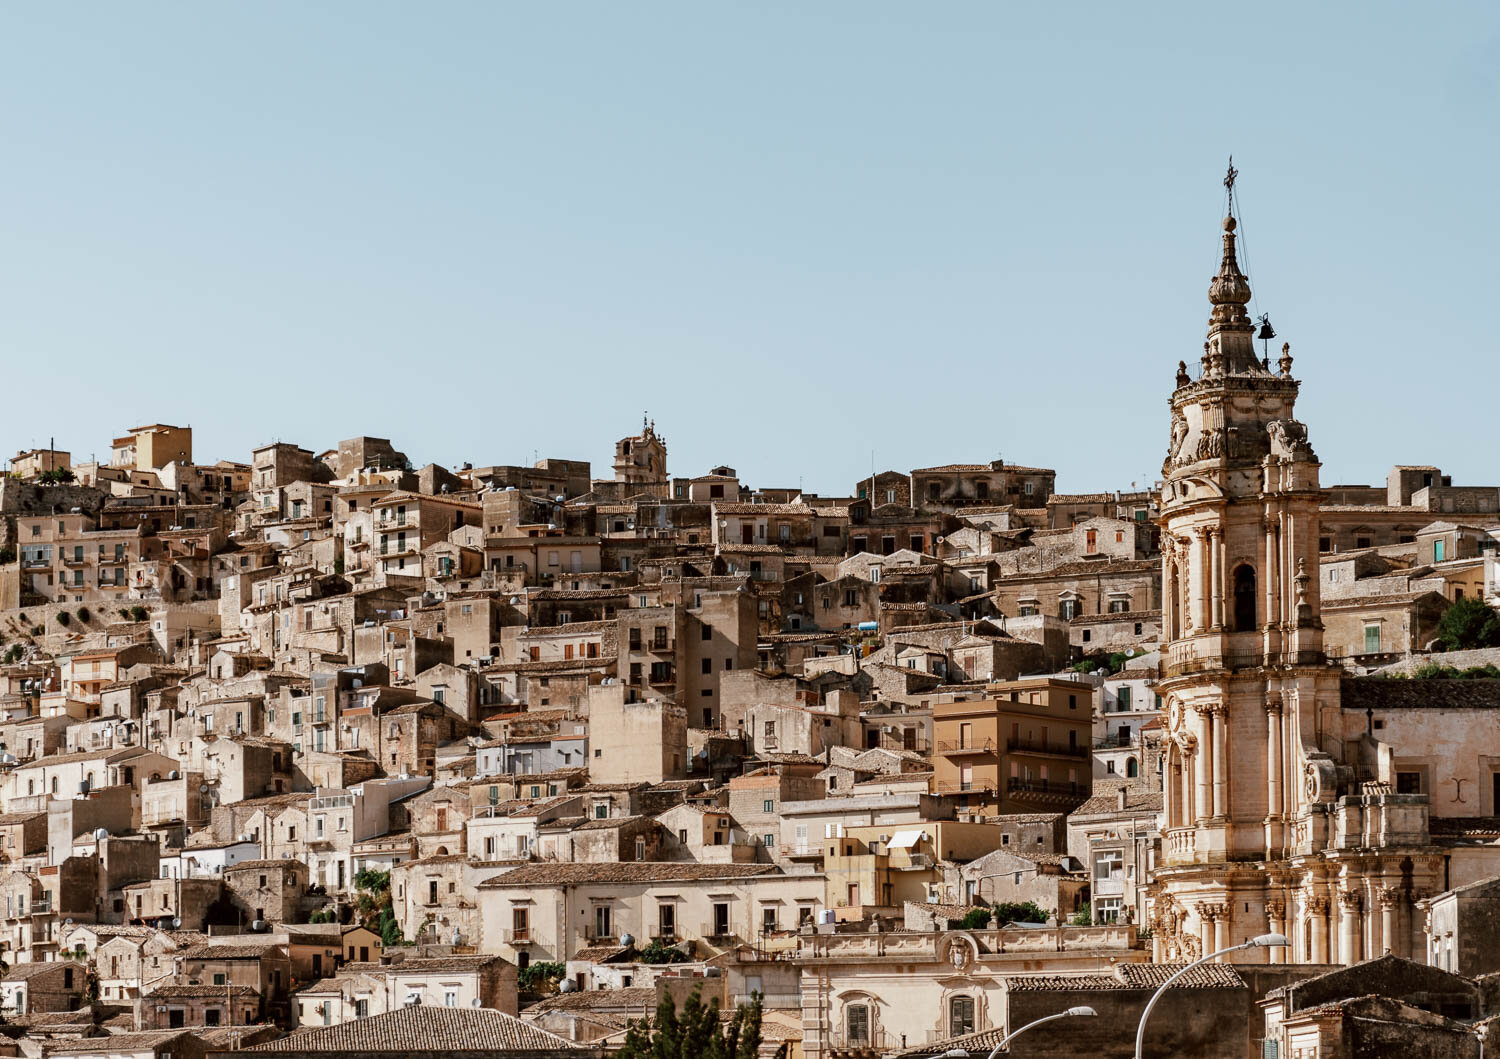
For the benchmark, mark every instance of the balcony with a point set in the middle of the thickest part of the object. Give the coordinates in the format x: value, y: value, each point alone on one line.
x: 810, y: 850
x: 1038, y: 746
x: 663, y: 646
x: 1182, y: 844
x: 71, y: 560
x: 869, y: 1043
x: 717, y: 932
x: 113, y: 560
x: 768, y: 1000
x: 36, y: 564
x: 516, y: 936
x: 392, y: 522
x: 979, y: 786
x: 1018, y: 785
x: 949, y: 748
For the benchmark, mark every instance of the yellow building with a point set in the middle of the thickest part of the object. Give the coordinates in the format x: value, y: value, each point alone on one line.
x: 1022, y: 747
x: 152, y: 447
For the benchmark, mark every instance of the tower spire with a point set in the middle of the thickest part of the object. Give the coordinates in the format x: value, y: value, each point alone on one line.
x: 1230, y: 332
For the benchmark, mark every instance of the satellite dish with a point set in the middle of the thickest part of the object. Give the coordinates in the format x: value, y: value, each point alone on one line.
x: 627, y: 940
x: 101, y: 834
x: 567, y: 985
x: 176, y: 922
x: 474, y: 1003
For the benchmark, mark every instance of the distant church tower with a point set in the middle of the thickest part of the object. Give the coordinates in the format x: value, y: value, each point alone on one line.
x: 642, y: 460
x: 1249, y: 791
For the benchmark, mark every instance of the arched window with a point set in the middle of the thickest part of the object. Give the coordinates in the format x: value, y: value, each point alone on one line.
x: 54, y: 784
x: 1244, y: 598
x: 960, y: 1016
x: 1132, y: 770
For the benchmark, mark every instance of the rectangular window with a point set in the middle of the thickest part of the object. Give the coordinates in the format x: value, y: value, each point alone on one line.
x: 1372, y: 639
x: 1408, y: 783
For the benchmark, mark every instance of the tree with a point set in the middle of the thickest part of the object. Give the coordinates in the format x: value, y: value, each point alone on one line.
x: 1467, y: 624
x: 1020, y: 912
x: 697, y: 1031
x: 1084, y: 916
x: 976, y: 919
x: 59, y: 476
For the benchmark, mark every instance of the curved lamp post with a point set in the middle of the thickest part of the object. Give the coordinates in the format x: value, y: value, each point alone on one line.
x: 1264, y: 941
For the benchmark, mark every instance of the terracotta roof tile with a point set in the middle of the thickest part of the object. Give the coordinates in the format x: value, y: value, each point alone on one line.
x: 425, y: 1029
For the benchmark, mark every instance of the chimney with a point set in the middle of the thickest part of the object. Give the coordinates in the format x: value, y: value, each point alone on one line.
x: 1121, y: 799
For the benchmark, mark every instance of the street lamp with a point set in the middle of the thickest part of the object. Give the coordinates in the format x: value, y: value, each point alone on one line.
x: 1263, y: 941
x: 1070, y: 1013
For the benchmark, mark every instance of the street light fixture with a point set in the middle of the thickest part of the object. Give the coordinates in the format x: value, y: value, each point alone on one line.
x: 1263, y: 941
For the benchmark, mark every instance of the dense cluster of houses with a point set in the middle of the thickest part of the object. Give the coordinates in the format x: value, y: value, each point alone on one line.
x: 325, y: 753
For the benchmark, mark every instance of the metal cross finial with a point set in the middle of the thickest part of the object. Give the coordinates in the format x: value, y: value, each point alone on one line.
x: 1229, y: 176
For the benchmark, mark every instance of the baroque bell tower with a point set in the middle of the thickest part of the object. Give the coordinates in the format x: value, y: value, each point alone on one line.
x: 1242, y: 666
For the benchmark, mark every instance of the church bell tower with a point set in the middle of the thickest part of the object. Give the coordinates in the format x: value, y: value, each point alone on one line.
x: 1242, y: 666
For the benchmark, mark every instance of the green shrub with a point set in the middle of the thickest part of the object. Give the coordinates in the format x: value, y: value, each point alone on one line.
x: 64, y: 618
x: 537, y: 974
x: 82, y: 614
x: 1084, y: 916
x: 657, y: 952
x: 1020, y: 912
x: 976, y: 919
x: 139, y: 613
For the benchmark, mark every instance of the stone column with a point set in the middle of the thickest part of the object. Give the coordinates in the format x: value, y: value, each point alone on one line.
x: 1349, y: 923
x: 1188, y: 782
x: 1317, y: 926
x: 1274, y: 808
x: 1221, y: 928
x: 1205, y: 762
x: 1205, y: 929
x: 1276, y: 924
x: 1390, y: 903
x: 1169, y: 594
x: 1219, y: 723
x: 1269, y: 567
x: 1200, y: 581
x: 1216, y: 577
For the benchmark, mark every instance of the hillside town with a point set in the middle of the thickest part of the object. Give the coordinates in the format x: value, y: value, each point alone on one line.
x: 315, y: 751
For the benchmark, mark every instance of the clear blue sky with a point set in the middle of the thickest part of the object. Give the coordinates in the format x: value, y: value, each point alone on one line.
x: 795, y: 232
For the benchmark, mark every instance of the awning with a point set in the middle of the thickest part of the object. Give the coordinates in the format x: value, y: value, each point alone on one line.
x: 905, y: 839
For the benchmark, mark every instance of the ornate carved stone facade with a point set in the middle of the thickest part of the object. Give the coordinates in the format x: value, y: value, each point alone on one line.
x: 1266, y: 827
